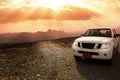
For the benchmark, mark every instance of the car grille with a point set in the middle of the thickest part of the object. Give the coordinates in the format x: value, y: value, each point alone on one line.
x: 99, y: 46
x: 79, y: 44
x: 88, y: 45
x: 86, y: 52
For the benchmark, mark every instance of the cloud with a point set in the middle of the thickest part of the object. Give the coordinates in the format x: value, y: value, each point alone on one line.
x: 76, y: 13
x: 110, y: 7
x: 9, y: 15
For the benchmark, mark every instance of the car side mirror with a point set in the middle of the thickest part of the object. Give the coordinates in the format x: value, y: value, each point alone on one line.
x: 82, y: 34
x: 116, y: 35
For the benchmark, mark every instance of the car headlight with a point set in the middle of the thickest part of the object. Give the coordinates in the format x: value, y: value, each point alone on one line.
x: 75, y: 44
x: 105, y: 45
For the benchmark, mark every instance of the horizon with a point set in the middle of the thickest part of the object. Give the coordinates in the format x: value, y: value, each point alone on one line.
x: 52, y: 30
x: 69, y: 16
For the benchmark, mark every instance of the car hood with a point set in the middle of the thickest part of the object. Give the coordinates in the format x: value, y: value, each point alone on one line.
x: 94, y: 39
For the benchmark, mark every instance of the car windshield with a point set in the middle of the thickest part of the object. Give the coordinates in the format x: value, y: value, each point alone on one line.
x: 98, y: 32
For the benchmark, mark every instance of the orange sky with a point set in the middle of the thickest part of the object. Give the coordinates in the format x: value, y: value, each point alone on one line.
x: 67, y: 15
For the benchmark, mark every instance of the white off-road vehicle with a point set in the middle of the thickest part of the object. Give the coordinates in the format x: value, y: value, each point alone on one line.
x: 99, y: 43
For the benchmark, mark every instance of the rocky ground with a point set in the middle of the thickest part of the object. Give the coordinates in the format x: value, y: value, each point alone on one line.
x: 46, y: 60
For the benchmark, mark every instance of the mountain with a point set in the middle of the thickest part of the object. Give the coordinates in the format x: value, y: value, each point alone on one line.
x: 31, y: 37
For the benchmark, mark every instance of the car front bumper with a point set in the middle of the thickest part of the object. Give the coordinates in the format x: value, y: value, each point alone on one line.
x: 103, y: 54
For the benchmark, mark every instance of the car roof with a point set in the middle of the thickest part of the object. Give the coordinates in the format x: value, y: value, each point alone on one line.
x: 100, y: 28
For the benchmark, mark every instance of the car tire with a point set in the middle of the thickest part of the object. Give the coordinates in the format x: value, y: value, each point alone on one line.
x: 109, y: 61
x: 113, y: 54
x: 117, y: 49
x: 76, y: 57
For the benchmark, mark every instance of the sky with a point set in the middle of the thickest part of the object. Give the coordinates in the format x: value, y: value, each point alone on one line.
x: 67, y: 15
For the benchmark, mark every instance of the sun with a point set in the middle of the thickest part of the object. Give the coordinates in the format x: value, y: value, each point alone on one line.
x: 53, y: 4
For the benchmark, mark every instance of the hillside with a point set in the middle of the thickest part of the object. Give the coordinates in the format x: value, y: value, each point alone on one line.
x: 26, y: 37
x: 44, y: 60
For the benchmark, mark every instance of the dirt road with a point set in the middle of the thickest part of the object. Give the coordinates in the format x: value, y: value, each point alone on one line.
x: 41, y: 61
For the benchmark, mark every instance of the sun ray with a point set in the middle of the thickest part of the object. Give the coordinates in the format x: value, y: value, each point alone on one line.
x: 17, y: 2
x: 53, y: 4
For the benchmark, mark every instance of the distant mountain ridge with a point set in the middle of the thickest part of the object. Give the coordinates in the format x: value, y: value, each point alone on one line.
x: 31, y: 37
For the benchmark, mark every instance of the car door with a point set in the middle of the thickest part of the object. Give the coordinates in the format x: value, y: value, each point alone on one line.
x: 115, y: 39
